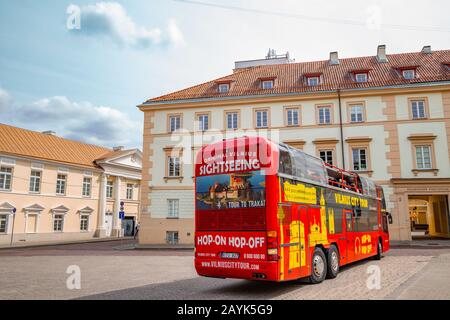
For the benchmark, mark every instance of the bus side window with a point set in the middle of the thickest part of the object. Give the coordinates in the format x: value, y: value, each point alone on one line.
x: 337, y: 221
x: 299, y: 163
x: 285, y: 161
x: 349, y: 220
x: 373, y: 220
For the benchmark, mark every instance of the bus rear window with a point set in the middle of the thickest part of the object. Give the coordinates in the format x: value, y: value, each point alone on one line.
x: 233, y: 201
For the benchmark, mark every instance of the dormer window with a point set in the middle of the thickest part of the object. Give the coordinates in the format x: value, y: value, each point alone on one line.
x: 313, y: 81
x: 361, y: 77
x: 267, y: 84
x: 409, y: 74
x: 224, y: 87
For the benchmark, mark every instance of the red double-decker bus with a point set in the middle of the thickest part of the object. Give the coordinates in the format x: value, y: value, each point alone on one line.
x: 267, y: 211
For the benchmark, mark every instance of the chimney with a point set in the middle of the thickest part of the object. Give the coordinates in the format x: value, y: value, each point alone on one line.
x: 381, y: 53
x: 426, y: 49
x: 334, y: 58
x: 118, y: 148
x: 49, y: 132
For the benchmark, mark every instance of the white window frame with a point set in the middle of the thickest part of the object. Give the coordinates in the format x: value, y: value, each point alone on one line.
x: 234, y: 120
x: 87, y: 187
x: 310, y: 81
x: 5, y: 218
x: 324, y: 116
x: 421, y: 156
x: 366, y: 154
x: 290, y: 112
x: 173, y: 208
x: 174, y: 123
x: 409, y: 74
x: 130, y: 191
x: 224, y: 87
x: 172, y: 237
x: 109, y: 189
x: 326, y: 151
x: 61, y: 184
x: 357, y: 111
x: 267, y: 84
x: 361, y: 77
x: 202, y: 124
x: 173, y: 167
x: 35, y: 181
x: 61, y: 222
x: 262, y: 118
x: 5, y: 176
x: 418, y: 107
x: 85, y: 219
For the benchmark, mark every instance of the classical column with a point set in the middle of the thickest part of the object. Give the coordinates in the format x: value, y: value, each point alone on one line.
x: 117, y: 225
x: 101, y: 231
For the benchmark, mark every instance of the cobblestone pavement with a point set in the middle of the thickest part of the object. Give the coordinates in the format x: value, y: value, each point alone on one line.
x: 107, y: 273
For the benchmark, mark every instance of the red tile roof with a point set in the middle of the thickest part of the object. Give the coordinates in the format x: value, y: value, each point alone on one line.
x: 21, y: 142
x: 431, y: 67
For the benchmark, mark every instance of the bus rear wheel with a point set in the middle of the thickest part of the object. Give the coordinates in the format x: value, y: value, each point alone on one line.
x: 333, y: 262
x: 318, y: 266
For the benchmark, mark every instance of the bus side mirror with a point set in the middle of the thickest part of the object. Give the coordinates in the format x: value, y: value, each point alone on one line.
x: 389, y: 216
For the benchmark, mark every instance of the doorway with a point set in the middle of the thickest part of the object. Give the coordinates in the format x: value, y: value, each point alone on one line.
x: 429, y: 216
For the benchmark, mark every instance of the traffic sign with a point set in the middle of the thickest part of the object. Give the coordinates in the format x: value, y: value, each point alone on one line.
x: 121, y: 215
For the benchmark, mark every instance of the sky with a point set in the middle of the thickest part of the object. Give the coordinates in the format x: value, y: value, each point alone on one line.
x: 80, y: 68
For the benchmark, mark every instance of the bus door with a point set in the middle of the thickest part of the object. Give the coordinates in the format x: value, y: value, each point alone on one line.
x: 303, y: 241
x: 347, y: 231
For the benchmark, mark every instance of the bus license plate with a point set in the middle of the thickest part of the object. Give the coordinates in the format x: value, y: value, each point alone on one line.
x: 229, y: 255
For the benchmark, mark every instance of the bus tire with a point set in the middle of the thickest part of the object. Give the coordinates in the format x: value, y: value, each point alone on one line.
x: 333, y: 262
x: 318, y: 266
x: 379, y: 250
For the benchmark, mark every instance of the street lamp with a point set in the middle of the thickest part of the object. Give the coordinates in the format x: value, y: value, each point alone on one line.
x: 12, y: 230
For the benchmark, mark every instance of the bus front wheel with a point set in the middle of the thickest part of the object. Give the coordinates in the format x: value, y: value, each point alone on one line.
x: 379, y: 250
x: 318, y: 266
x: 333, y: 262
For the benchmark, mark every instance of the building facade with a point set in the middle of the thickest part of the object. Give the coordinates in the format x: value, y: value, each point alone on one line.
x: 386, y: 117
x: 58, y: 190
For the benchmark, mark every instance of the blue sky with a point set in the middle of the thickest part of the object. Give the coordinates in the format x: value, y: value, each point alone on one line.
x: 85, y: 84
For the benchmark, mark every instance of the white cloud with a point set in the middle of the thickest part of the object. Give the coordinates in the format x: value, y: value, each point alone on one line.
x: 110, y: 19
x: 82, y: 121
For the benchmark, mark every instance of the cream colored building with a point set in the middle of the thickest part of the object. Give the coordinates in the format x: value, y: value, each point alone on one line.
x: 56, y: 190
x: 385, y: 116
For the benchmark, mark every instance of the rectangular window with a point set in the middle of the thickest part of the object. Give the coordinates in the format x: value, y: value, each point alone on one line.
x: 130, y: 188
x: 313, y: 81
x: 5, y: 178
x: 224, y: 87
x: 84, y: 223
x: 172, y: 237
x: 267, y: 84
x: 262, y: 119
x: 359, y: 159
x: 356, y: 113
x: 3, y: 223
x: 409, y: 74
x: 326, y: 156
x: 292, y: 117
x: 173, y: 208
x: 61, y: 182
x: 361, y: 77
x: 58, y: 223
x: 423, y: 157
x: 109, y: 189
x: 174, y: 123
x: 418, y: 109
x: 87, y: 186
x: 232, y: 120
x: 324, y: 115
x: 35, y: 181
x: 173, y: 165
x: 203, y: 122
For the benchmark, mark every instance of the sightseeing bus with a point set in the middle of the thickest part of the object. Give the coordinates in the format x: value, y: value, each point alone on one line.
x: 267, y: 211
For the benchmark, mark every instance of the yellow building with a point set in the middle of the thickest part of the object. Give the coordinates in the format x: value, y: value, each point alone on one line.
x: 56, y: 190
x: 385, y: 116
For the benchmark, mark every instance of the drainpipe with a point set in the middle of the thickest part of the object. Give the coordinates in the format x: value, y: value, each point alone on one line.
x: 341, y: 129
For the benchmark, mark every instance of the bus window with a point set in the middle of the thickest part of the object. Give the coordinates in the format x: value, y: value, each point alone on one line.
x: 348, y: 220
x: 362, y: 222
x: 285, y: 161
x: 299, y: 168
x: 369, y: 187
x: 373, y: 220
x: 337, y: 221
x: 315, y: 170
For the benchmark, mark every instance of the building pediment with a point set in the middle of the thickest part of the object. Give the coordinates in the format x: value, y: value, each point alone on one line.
x: 87, y: 210
x: 34, y: 207
x: 124, y: 158
x: 60, y: 209
x: 6, y: 207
